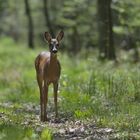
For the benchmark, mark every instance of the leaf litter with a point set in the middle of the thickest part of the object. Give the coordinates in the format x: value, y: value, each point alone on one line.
x: 62, y: 128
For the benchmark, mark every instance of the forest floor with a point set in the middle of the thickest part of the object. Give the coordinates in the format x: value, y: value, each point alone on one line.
x: 98, y: 100
x: 62, y: 128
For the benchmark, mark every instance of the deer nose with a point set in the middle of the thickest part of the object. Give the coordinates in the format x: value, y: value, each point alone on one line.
x: 54, y: 50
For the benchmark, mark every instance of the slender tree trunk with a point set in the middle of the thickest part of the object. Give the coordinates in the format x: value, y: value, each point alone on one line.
x: 75, y: 41
x: 15, y: 31
x: 101, y: 6
x: 47, y: 17
x: 30, y: 25
x: 111, y: 49
x: 106, y: 44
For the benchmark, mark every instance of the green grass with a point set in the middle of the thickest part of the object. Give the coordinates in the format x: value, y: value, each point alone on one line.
x: 8, y: 133
x: 105, y: 92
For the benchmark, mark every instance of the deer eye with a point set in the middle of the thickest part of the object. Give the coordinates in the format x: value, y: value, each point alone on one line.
x: 51, y: 44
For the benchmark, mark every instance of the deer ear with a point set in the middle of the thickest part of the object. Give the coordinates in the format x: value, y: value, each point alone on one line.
x: 60, y: 36
x: 47, y: 36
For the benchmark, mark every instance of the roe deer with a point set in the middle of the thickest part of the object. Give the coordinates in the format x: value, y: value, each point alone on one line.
x: 48, y: 71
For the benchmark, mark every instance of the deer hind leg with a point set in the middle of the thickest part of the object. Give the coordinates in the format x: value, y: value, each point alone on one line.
x: 55, y: 86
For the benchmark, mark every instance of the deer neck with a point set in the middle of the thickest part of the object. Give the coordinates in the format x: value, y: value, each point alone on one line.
x: 53, y: 58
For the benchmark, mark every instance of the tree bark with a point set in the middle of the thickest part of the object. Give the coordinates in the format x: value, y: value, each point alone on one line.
x: 47, y: 18
x: 106, y: 43
x: 30, y: 25
x: 75, y: 41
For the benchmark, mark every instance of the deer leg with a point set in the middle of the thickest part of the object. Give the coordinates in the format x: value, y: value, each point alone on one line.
x: 45, y: 101
x: 42, y: 103
x: 40, y: 84
x: 55, y: 85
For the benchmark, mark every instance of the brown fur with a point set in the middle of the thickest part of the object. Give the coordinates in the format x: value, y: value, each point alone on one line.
x: 48, y: 71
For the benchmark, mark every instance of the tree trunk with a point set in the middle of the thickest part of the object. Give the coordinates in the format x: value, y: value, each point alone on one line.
x: 75, y: 41
x: 106, y: 44
x: 47, y: 18
x: 30, y: 25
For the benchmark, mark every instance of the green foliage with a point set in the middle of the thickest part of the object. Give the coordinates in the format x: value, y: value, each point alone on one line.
x: 128, y: 17
x: 69, y: 15
x: 73, y: 17
x: 46, y: 135
x: 77, y: 18
x: 77, y: 105
x: 17, y: 72
x: 12, y: 132
x: 106, y: 93
x: 115, y: 93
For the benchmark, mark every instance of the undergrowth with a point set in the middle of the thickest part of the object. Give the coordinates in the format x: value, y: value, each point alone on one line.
x: 108, y: 93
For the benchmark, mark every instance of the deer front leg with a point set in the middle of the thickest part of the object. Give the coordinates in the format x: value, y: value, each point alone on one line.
x: 55, y: 85
x: 41, y: 88
x: 45, y: 101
